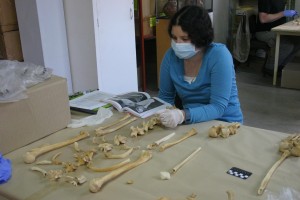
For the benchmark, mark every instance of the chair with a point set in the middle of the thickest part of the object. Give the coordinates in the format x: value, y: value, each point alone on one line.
x: 256, y: 44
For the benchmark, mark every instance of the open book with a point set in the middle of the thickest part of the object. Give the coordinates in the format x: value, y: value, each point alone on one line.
x: 140, y: 104
x: 89, y: 102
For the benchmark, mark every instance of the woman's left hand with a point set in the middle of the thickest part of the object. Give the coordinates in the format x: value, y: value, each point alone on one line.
x: 171, y: 117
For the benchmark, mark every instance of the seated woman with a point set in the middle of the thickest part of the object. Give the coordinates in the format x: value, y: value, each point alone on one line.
x: 199, y: 71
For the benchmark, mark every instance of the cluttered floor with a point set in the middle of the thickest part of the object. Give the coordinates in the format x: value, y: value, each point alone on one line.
x: 264, y: 105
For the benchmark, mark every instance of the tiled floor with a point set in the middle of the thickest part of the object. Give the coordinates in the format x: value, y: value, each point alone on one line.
x: 264, y: 105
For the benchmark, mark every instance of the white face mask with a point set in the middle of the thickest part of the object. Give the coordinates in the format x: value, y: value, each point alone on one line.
x: 184, y: 50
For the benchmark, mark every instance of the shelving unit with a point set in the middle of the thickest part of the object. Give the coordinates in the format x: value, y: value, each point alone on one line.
x: 144, y: 36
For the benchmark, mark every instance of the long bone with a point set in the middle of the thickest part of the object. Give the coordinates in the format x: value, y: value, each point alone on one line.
x: 158, y: 142
x: 114, y: 123
x: 187, y: 135
x: 290, y: 147
x: 101, y: 132
x: 178, y: 166
x: 31, y: 155
x: 97, y: 183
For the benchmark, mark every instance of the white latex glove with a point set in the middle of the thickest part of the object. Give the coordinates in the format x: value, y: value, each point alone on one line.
x: 171, y: 117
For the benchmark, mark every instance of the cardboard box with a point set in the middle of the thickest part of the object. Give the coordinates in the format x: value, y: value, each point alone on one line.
x: 291, y: 76
x: 10, y: 46
x: 45, y: 111
x: 8, y: 15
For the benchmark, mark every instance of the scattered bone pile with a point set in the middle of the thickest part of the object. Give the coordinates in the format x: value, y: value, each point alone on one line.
x: 110, y: 150
x: 223, y: 131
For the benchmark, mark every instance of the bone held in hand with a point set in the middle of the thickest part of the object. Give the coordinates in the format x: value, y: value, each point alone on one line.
x: 187, y: 135
x: 31, y: 155
x: 97, y: 183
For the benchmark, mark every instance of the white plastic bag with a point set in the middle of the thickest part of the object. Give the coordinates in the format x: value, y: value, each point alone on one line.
x: 284, y: 194
x: 102, y: 114
x: 241, y: 46
x: 16, y: 76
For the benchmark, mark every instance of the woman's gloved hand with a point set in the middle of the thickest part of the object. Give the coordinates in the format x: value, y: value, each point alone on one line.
x: 171, y: 117
x: 290, y: 13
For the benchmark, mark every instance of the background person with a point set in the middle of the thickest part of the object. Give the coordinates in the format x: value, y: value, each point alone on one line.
x: 199, y: 71
x: 272, y: 13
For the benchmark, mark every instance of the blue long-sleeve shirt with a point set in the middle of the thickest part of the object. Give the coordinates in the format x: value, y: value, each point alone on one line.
x: 213, y: 94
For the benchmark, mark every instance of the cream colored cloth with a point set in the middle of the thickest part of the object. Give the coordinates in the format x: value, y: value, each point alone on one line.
x: 251, y: 149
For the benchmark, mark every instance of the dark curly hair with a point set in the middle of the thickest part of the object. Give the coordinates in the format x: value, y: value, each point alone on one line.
x: 195, y: 21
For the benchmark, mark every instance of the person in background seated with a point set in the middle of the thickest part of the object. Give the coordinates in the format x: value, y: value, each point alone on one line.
x: 272, y: 13
x: 198, y: 71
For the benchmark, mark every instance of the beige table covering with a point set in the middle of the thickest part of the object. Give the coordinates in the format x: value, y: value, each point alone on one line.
x: 252, y: 149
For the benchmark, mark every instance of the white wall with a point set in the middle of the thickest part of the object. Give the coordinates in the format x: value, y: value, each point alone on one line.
x: 221, y: 17
x: 297, y: 5
x: 43, y: 35
x: 81, y: 43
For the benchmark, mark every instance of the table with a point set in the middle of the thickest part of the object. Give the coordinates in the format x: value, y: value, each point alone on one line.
x: 251, y: 149
x: 289, y: 28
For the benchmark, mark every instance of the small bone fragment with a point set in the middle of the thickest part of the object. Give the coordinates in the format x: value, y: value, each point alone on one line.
x: 114, y: 123
x: 129, y: 182
x: 44, y: 172
x: 70, y: 167
x: 97, y: 183
x: 101, y: 132
x: 111, y: 168
x: 53, y: 161
x: 230, y: 194
x: 81, y: 179
x: 165, y: 175
x: 119, y: 139
x: 164, y: 198
x: 105, y: 147
x: 117, y: 156
x: 187, y: 135
x: 30, y: 156
x: 84, y: 157
x: 191, y: 197
x: 44, y: 162
x: 76, y: 147
x: 76, y: 180
x: 54, y: 175
x: 177, y: 167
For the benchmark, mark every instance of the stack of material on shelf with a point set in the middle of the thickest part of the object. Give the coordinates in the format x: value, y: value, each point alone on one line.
x: 10, y: 43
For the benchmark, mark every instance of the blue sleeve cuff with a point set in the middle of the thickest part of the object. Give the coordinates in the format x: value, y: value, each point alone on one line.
x: 187, y: 116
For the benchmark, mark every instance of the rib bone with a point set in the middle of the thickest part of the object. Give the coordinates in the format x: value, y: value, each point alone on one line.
x: 31, y: 155
x: 101, y: 132
x: 114, y: 123
x: 117, y: 156
x: 187, y: 135
x: 97, y: 183
x: 111, y: 168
